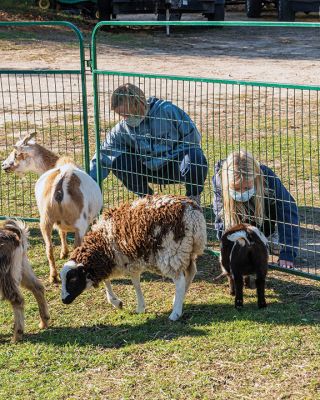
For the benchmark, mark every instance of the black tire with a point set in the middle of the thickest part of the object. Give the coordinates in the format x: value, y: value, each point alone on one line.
x: 218, y: 14
x: 253, y: 8
x: 94, y: 13
x: 285, y: 11
x: 104, y: 10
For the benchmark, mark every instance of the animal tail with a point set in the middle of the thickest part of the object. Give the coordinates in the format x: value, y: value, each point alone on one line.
x: 199, y: 231
x: 240, y: 237
x: 58, y: 191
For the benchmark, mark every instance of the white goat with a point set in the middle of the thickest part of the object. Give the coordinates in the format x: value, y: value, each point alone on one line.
x: 15, y: 270
x: 67, y: 197
x: 163, y: 234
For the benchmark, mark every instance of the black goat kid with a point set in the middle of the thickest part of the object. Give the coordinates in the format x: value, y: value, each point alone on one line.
x: 244, y: 251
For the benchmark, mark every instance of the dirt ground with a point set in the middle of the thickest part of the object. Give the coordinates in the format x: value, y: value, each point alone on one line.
x: 259, y: 54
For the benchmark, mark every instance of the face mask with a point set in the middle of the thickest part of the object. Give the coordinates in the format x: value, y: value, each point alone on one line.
x: 134, y: 121
x: 242, y: 196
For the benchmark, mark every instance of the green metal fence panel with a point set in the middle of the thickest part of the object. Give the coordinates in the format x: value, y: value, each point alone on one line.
x: 277, y: 123
x: 52, y: 102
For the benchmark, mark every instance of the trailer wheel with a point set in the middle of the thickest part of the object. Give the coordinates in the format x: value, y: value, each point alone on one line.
x: 94, y: 13
x: 285, y: 11
x: 253, y: 8
x: 105, y: 11
x: 45, y: 4
x: 218, y: 14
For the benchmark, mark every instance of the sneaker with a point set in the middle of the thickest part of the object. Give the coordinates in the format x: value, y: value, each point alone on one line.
x: 196, y: 199
x: 274, y: 245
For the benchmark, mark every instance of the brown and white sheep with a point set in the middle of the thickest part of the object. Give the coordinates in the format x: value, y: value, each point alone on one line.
x: 15, y: 270
x: 67, y: 197
x: 162, y: 234
x: 244, y: 252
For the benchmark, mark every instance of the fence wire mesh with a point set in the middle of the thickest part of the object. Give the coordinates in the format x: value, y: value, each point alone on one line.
x: 48, y: 101
x: 277, y: 123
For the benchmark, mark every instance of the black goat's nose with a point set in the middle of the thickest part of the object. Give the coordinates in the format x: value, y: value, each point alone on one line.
x: 67, y: 300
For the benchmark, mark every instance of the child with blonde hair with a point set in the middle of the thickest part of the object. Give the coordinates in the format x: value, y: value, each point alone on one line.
x: 246, y: 191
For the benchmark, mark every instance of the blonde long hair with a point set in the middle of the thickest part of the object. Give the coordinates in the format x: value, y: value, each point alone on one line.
x: 236, y: 169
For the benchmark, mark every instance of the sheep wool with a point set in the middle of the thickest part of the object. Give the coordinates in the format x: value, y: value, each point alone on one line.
x: 160, y: 233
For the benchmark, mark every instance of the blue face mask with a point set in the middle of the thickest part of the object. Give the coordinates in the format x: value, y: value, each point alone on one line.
x: 242, y: 196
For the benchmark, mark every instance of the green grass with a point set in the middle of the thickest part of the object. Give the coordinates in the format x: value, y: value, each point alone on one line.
x: 92, y: 351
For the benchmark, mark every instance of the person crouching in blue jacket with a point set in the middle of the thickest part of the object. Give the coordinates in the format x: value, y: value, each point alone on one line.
x: 156, y: 142
x: 247, y: 192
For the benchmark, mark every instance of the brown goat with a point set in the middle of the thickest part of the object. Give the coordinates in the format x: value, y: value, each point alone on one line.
x: 68, y: 198
x: 15, y: 270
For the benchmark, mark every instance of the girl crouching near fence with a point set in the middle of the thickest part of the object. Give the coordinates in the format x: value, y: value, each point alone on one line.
x: 249, y: 192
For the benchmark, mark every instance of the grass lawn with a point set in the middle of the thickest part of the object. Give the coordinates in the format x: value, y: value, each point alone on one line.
x: 92, y: 351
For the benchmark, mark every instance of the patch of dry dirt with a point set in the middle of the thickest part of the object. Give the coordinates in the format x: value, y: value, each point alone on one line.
x: 280, y: 55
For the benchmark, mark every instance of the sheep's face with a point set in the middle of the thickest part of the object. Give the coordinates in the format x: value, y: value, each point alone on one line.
x: 20, y: 160
x: 74, y: 281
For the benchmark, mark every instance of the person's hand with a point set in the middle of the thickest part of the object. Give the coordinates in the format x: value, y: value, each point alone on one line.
x: 286, y: 264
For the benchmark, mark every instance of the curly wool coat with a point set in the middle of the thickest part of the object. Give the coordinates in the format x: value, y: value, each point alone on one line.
x: 164, y: 234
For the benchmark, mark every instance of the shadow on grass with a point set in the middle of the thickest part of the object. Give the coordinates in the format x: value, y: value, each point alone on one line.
x: 298, y: 307
x: 35, y: 237
x: 5, y: 338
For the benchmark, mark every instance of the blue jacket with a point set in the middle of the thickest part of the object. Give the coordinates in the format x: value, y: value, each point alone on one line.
x: 166, y: 131
x: 286, y: 209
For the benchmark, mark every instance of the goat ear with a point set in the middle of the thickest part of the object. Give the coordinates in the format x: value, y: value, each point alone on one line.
x: 90, y: 278
x: 28, y: 137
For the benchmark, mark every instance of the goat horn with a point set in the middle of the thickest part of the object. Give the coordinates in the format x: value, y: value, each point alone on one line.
x: 28, y: 137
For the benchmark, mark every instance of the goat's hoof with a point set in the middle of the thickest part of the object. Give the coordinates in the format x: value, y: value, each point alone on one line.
x: 232, y: 293
x: 174, y: 316
x: 117, y: 304
x: 262, y: 305
x: 17, y: 337
x: 44, y: 323
x: 140, y: 310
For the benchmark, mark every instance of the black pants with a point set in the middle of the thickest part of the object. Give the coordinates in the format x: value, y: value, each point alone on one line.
x: 189, y: 167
